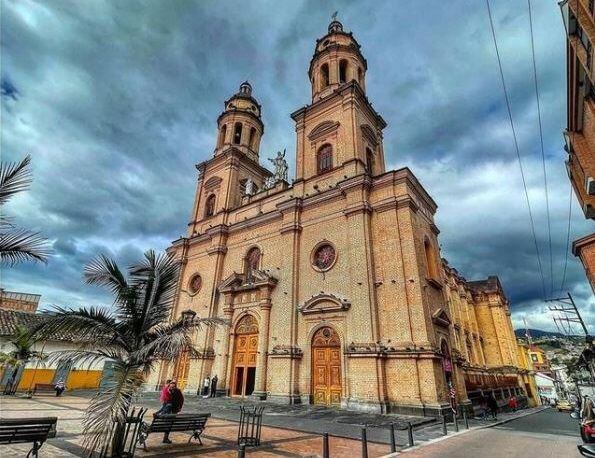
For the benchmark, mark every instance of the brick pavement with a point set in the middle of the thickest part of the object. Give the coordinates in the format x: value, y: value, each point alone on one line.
x: 292, y: 431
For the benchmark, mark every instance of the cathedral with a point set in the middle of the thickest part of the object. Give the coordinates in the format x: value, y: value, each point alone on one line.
x: 332, y: 284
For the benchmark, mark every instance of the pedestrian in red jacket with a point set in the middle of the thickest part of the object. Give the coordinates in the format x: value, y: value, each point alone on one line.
x: 512, y: 403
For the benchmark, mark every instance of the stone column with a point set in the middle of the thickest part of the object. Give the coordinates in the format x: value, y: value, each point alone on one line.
x: 263, y: 347
x: 222, y: 352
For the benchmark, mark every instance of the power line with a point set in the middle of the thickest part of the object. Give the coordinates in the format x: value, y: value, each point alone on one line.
x: 516, y: 146
x: 547, y: 199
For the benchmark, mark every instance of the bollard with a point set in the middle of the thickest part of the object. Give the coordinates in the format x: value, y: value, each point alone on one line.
x: 325, y: 447
x: 364, y: 443
x: 393, y: 443
x: 444, y: 430
x: 455, y: 419
x: 410, y: 434
x: 242, y: 451
x: 465, y: 418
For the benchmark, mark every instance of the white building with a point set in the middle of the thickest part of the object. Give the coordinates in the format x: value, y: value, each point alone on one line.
x: 546, y: 386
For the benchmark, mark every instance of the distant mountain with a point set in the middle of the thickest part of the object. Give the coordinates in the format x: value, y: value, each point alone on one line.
x: 538, y: 333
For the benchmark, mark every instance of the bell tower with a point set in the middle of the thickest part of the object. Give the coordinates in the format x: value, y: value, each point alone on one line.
x: 222, y: 180
x: 240, y: 124
x: 339, y: 133
x: 337, y: 60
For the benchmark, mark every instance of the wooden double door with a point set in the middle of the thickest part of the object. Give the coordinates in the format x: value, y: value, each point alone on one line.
x: 326, y: 367
x: 244, y: 357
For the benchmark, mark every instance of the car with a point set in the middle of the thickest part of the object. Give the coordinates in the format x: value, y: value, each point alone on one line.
x: 588, y: 432
x: 564, y: 406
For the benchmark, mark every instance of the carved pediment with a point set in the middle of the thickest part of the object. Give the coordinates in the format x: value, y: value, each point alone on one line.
x: 242, y: 281
x: 323, y: 129
x: 441, y: 318
x: 324, y: 303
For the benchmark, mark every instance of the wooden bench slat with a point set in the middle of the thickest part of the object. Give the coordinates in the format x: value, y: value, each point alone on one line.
x: 28, y: 421
x: 30, y: 431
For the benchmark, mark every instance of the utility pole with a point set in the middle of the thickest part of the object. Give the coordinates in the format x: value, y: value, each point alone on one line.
x: 570, y: 314
x: 568, y: 308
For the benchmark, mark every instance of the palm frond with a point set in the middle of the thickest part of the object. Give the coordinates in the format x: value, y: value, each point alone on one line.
x: 22, y: 245
x: 104, y: 271
x: 14, y: 177
x: 81, y: 358
x: 87, y: 324
x: 157, y: 278
x: 110, y: 406
x: 167, y: 341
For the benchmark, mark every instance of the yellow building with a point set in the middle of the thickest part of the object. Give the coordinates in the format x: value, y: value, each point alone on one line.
x: 527, y: 373
x: 333, y: 285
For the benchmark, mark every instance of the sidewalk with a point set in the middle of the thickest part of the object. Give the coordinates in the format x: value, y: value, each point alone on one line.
x: 434, y: 433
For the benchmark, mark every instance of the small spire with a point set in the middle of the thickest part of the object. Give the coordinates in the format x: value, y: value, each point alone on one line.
x: 335, y: 25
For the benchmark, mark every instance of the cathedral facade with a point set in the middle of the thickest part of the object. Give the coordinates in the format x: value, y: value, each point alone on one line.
x: 333, y: 286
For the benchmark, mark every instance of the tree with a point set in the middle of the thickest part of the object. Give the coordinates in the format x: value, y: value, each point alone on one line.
x: 135, y: 335
x: 17, y: 244
x: 23, y: 341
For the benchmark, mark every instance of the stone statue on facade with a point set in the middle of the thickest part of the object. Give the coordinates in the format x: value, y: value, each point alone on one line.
x: 250, y: 187
x: 280, y: 166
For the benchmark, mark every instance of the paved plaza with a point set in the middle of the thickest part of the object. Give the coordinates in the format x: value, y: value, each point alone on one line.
x: 290, y: 431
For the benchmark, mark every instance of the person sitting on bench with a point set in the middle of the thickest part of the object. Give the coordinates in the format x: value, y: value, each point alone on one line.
x: 176, y: 401
x: 60, y: 387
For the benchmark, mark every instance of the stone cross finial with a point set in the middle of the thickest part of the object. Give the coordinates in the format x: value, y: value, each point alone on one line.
x: 334, y: 15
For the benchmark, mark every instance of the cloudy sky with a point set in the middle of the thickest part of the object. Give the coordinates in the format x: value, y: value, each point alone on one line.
x: 117, y: 100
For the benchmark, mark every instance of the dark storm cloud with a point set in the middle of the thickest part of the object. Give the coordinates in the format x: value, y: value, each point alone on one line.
x: 117, y: 100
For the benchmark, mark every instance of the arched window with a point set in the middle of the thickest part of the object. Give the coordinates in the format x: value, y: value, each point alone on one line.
x: 237, y: 133
x: 342, y: 71
x: 359, y: 75
x: 222, y: 134
x: 324, y: 76
x: 430, y: 260
x: 251, y: 261
x: 369, y: 160
x: 210, y: 205
x: 324, y: 158
x: 252, y: 138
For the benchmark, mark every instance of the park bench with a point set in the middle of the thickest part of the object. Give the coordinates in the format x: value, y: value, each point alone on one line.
x: 23, y: 430
x: 44, y: 388
x: 168, y: 423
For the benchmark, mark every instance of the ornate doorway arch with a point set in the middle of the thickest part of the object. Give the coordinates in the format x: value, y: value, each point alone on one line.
x: 244, y: 356
x: 326, y: 367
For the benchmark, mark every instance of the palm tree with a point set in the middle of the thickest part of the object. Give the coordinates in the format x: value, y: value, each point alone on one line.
x: 17, y: 244
x: 135, y: 335
x: 23, y: 341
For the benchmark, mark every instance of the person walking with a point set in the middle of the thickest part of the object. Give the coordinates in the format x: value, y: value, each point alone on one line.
x: 176, y: 402
x: 214, y: 381
x: 60, y: 387
x: 493, y: 406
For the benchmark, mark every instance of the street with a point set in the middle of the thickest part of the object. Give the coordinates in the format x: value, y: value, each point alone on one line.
x: 548, y: 433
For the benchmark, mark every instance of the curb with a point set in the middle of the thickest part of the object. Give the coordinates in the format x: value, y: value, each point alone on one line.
x: 465, y: 431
